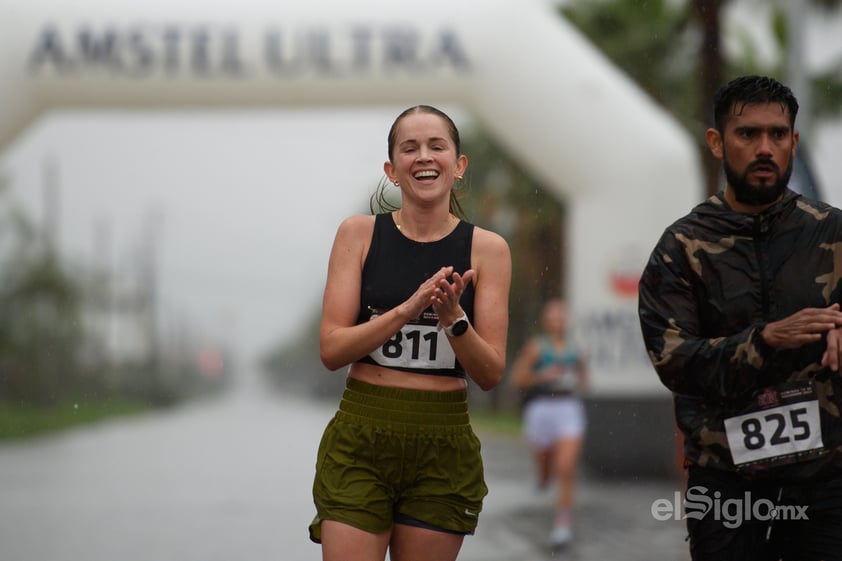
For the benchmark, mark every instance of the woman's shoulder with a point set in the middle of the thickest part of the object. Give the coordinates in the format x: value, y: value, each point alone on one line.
x: 354, y: 235
x: 490, y: 243
x: 357, y: 224
x: 490, y: 252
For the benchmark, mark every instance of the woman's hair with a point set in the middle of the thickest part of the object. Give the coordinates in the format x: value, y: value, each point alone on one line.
x: 379, y: 202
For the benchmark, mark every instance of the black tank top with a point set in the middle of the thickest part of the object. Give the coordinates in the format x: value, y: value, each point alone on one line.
x: 394, y: 269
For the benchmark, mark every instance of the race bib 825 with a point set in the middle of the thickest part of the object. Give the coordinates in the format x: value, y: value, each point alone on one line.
x: 782, y: 426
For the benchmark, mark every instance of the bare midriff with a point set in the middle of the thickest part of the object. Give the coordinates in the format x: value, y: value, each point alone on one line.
x: 382, y: 376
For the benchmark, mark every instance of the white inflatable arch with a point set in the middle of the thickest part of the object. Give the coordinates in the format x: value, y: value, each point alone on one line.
x: 625, y: 166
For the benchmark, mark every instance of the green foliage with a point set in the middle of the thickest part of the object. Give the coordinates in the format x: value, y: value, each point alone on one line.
x: 827, y: 92
x: 656, y: 43
x: 506, y: 423
x: 24, y: 420
x: 826, y: 86
x: 46, y: 351
x: 506, y: 199
x: 40, y: 325
x: 780, y: 29
x: 652, y: 41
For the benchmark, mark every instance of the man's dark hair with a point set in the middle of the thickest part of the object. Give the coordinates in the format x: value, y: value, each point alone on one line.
x: 751, y: 89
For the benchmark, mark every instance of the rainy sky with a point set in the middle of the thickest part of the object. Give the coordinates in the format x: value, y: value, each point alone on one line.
x: 244, y: 205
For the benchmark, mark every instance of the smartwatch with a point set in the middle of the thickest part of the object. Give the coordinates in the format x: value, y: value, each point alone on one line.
x: 458, y: 327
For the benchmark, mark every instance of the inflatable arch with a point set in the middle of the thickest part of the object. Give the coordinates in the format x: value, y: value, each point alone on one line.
x: 624, y: 166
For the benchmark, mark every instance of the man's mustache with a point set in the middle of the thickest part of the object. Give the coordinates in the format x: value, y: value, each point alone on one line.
x: 763, y: 163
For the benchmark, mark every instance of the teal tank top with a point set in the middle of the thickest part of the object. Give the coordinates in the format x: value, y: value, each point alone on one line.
x: 568, y: 360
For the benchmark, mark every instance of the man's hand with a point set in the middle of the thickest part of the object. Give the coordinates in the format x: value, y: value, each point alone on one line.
x: 832, y: 356
x: 805, y: 326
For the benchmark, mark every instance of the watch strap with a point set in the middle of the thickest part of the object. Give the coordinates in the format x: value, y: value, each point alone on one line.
x: 449, y: 328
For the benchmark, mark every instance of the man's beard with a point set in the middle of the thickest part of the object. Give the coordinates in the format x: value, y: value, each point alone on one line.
x: 757, y: 195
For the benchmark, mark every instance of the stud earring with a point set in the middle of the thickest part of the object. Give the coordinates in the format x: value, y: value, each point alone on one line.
x: 458, y: 178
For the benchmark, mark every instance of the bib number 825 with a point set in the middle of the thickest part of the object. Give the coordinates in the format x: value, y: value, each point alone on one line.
x: 753, y: 429
x: 768, y: 433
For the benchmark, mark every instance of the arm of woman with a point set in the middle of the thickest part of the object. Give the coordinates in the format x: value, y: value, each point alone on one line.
x: 522, y: 376
x: 341, y: 340
x: 482, y: 349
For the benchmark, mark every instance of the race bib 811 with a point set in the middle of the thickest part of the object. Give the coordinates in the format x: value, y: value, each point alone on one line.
x: 418, y: 345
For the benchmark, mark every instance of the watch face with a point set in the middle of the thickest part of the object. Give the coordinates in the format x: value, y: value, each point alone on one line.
x: 460, y: 327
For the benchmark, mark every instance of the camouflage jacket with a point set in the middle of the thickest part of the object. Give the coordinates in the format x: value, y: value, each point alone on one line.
x: 713, y: 281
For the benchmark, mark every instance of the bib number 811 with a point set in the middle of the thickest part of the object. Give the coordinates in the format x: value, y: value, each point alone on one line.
x: 416, y: 346
x: 394, y: 346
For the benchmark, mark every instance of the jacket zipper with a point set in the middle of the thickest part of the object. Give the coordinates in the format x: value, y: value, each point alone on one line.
x: 759, y: 231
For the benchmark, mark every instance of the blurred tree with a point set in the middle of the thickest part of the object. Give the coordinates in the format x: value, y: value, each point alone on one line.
x: 40, y: 329
x: 673, y: 50
x: 503, y: 197
x: 48, y: 356
x: 708, y: 14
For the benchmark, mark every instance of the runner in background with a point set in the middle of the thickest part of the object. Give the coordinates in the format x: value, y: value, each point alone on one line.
x: 550, y: 371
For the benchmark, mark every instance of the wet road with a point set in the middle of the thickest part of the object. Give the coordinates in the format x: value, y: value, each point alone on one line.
x: 612, y: 521
x: 230, y: 479
x: 226, y: 479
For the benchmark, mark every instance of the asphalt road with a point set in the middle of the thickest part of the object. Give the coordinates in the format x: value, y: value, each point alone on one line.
x: 612, y: 520
x: 229, y: 479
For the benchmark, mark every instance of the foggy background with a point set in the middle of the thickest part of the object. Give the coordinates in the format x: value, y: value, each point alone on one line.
x: 199, y: 240
x: 242, y: 206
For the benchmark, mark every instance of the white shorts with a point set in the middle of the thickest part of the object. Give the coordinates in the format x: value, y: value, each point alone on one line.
x: 548, y: 419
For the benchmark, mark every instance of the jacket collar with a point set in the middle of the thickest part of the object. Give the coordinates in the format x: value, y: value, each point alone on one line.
x: 716, y: 211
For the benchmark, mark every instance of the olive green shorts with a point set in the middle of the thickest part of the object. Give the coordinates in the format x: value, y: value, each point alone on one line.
x: 391, y: 454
